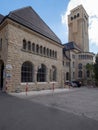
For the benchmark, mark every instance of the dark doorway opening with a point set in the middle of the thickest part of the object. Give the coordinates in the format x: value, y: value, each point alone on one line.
x: 1, y: 74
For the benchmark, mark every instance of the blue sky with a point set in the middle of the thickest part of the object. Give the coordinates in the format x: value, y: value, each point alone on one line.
x: 51, y: 11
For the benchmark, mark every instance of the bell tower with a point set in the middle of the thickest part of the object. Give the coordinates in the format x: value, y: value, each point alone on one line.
x: 78, y: 28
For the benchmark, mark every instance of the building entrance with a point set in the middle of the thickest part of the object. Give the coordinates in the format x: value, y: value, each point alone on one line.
x: 1, y: 74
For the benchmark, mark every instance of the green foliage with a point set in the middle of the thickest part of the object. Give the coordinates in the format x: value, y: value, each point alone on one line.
x: 89, y: 67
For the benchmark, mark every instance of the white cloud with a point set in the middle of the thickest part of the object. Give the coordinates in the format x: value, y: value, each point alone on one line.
x: 92, y: 10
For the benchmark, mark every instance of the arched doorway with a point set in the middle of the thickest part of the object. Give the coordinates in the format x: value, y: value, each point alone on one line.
x: 1, y: 74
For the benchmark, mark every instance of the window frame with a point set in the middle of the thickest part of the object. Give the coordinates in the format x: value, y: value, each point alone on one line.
x: 27, y: 71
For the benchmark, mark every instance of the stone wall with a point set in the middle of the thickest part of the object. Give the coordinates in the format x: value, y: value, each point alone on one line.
x: 17, y: 56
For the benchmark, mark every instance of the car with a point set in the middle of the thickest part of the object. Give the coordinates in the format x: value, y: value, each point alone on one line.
x: 70, y: 83
x: 73, y: 84
x: 78, y: 83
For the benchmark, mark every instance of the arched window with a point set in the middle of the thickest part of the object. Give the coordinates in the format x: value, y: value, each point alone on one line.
x: 78, y: 14
x: 44, y: 51
x: 55, y: 53
x: 47, y: 52
x: 67, y: 75
x: 74, y: 16
x: 27, y: 72
x: 50, y: 52
x: 29, y: 45
x: 80, y: 74
x: 33, y: 47
x: 71, y: 18
x: 41, y: 73
x: 37, y: 48
x: 24, y: 44
x: 80, y: 66
x: 41, y: 50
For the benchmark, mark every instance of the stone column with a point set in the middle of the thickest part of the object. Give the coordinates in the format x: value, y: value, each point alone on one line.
x: 48, y: 75
x: 35, y: 73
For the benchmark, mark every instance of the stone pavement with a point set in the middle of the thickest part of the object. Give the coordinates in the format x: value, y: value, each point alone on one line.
x: 81, y: 101
x: 52, y: 111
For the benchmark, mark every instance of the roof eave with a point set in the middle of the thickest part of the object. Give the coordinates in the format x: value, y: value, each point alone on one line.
x: 60, y: 43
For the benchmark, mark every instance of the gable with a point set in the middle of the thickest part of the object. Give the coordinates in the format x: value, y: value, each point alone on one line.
x: 29, y: 18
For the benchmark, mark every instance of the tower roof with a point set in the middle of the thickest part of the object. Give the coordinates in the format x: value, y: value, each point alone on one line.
x: 28, y: 17
x: 79, y: 7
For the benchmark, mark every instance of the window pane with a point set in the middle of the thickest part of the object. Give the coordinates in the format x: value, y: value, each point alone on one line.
x: 27, y: 72
x: 41, y: 73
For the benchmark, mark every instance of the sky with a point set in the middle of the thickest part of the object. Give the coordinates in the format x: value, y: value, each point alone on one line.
x: 54, y: 13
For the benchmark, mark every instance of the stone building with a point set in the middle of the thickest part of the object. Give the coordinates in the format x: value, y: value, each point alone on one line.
x: 30, y: 52
x: 77, y: 48
x: 32, y: 55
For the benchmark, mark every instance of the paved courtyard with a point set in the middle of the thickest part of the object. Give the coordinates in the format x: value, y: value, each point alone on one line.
x: 80, y: 101
x: 63, y: 109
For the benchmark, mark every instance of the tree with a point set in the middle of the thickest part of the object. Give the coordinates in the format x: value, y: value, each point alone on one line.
x: 96, y: 69
x: 90, y: 72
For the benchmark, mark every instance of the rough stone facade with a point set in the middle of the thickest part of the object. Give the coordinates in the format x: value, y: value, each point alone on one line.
x: 44, y: 50
x: 13, y: 55
x: 78, y: 27
x: 78, y: 46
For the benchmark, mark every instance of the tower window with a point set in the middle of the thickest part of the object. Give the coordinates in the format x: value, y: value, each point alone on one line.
x: 85, y: 16
x: 71, y: 18
x: 78, y: 14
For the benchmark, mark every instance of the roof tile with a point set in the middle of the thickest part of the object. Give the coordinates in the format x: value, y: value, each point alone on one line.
x: 29, y: 18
